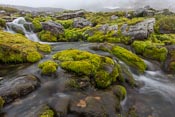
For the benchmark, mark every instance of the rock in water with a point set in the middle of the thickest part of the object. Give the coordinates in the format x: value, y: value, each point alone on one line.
x: 18, y: 87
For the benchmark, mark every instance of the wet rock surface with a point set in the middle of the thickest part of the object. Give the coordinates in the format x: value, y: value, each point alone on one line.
x: 18, y: 87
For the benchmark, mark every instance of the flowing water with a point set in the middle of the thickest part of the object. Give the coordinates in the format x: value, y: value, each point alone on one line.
x: 155, y: 98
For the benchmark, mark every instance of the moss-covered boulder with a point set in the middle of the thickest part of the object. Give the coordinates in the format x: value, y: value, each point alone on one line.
x: 48, y: 67
x: 15, y: 48
x: 103, y: 69
x: 150, y: 50
x: 47, y: 36
x: 37, y: 25
x: 129, y: 58
x: 2, y: 23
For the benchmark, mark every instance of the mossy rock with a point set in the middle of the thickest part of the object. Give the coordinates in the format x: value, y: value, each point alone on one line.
x: 120, y: 92
x: 47, y: 36
x: 129, y: 58
x: 37, y: 25
x: 150, y: 50
x: 1, y: 103
x: 47, y: 113
x: 66, y: 23
x: 92, y: 65
x: 2, y: 23
x: 48, y: 67
x: 15, y: 48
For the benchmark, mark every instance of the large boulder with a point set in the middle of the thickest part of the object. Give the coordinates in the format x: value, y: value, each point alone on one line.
x: 18, y: 87
x: 140, y: 30
x: 99, y: 104
x: 81, y: 23
x: 146, y: 11
x: 54, y: 28
x: 66, y: 16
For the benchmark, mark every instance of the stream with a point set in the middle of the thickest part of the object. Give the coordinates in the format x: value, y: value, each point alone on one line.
x: 154, y: 98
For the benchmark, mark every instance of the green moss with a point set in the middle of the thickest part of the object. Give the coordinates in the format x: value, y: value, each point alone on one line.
x: 79, y: 67
x: 48, y: 67
x: 37, y: 25
x: 1, y: 103
x: 150, y: 50
x: 2, y: 23
x: 97, y: 37
x: 47, y: 36
x: 120, y: 92
x: 44, y: 47
x: 73, y: 83
x: 129, y: 58
x: 66, y: 23
x: 103, y: 79
x: 165, y: 24
x: 15, y: 48
x: 92, y: 65
x: 47, y: 113
x: 33, y: 56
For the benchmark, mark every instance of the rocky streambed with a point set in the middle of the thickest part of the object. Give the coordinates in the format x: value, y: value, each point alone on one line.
x: 126, y: 72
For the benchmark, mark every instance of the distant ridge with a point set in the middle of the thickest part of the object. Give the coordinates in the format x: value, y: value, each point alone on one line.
x: 34, y: 9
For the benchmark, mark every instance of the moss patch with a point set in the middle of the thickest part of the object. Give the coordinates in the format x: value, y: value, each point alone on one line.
x: 120, y: 92
x: 150, y: 50
x: 48, y: 67
x: 129, y: 58
x: 47, y: 36
x: 1, y: 103
x: 37, y: 25
x: 92, y: 65
x: 47, y: 113
x: 15, y: 48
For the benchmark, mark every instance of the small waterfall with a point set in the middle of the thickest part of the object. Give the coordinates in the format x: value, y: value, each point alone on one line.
x: 20, y: 25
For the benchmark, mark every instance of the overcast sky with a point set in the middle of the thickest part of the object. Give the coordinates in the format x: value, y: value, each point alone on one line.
x: 77, y: 4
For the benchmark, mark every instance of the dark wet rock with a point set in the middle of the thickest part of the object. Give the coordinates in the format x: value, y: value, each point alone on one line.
x: 18, y: 87
x: 81, y: 23
x: 60, y: 105
x: 66, y: 16
x: 140, y: 30
x: 54, y: 28
x: 169, y: 65
x: 99, y: 104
